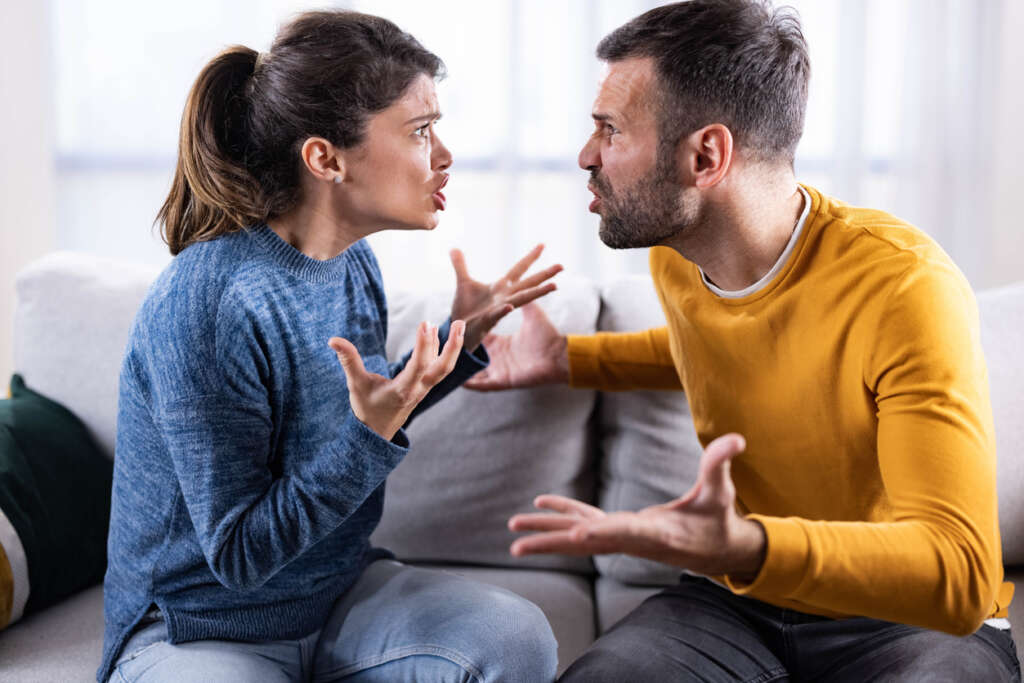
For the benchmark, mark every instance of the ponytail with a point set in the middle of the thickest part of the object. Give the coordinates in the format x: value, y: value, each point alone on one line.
x: 213, y: 193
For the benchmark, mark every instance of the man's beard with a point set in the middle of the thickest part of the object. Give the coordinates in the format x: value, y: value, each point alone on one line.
x: 646, y: 213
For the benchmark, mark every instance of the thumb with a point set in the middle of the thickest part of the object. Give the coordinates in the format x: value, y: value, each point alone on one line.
x: 716, y: 460
x: 714, y: 478
x: 459, y: 263
x: 349, y: 357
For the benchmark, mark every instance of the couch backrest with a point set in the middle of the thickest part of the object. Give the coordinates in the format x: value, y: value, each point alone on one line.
x: 71, y: 326
x: 1002, y: 336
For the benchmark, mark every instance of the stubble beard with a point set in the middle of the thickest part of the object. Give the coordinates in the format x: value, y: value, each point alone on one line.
x: 646, y: 213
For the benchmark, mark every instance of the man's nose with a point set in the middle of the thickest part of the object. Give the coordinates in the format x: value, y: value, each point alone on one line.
x: 589, y: 158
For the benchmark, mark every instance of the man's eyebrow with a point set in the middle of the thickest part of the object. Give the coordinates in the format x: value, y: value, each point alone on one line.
x: 602, y: 116
x: 432, y: 116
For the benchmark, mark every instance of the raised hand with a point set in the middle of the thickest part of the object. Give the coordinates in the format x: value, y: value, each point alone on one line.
x: 384, y: 404
x: 700, y: 531
x: 483, y: 305
x: 536, y: 354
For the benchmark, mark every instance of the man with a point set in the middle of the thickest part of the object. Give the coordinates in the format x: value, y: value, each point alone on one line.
x: 846, y: 502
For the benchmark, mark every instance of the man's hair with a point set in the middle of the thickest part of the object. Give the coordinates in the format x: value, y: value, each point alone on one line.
x: 736, y: 62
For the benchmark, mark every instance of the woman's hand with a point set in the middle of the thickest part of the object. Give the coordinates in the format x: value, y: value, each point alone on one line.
x: 482, y: 305
x: 384, y: 404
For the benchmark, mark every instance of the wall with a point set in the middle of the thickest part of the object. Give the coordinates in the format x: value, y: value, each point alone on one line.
x: 27, y: 223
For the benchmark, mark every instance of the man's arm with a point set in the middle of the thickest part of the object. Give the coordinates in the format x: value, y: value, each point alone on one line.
x: 612, y: 361
x: 935, y: 563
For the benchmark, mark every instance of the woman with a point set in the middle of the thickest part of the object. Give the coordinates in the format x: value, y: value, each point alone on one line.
x: 247, y: 479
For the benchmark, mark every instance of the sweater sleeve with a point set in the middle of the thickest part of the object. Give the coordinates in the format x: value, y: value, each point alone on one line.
x: 937, y: 563
x: 216, y: 423
x: 621, y: 361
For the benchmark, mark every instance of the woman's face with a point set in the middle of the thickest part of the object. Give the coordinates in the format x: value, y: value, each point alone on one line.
x: 393, y: 179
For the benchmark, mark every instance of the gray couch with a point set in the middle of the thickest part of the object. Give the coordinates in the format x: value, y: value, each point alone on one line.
x: 476, y: 458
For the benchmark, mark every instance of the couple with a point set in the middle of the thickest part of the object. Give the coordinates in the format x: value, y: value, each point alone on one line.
x: 845, y: 510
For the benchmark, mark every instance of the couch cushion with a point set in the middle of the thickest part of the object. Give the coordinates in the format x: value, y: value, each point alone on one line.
x: 478, y: 458
x: 1002, y: 336
x: 650, y: 449
x: 54, y: 503
x: 62, y: 643
x: 71, y: 324
x: 564, y: 598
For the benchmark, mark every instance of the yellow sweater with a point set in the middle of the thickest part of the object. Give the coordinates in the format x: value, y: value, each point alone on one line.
x: 857, y: 377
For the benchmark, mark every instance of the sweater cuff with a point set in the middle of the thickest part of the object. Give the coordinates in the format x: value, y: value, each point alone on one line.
x: 785, y: 561
x: 584, y: 366
x: 362, y: 439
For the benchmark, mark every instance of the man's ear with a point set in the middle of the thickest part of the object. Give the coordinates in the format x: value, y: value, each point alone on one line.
x: 704, y: 156
x: 323, y: 160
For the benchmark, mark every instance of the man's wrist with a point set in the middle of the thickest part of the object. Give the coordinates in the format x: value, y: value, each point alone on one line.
x: 753, y: 548
x: 562, y: 360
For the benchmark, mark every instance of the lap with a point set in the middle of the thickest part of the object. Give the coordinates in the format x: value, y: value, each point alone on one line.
x: 698, y: 631
x: 685, y: 633
x: 398, y: 621
x: 149, y: 658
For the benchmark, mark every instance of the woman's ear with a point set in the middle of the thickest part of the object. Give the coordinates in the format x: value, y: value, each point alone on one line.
x: 705, y: 156
x: 323, y: 160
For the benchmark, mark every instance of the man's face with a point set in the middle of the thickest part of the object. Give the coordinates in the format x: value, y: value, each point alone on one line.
x: 634, y: 180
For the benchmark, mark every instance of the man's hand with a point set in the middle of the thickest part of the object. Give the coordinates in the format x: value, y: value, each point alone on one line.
x: 482, y: 305
x: 384, y: 404
x: 701, y: 531
x: 536, y: 354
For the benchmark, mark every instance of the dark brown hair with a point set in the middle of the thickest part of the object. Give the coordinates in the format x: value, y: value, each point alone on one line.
x: 248, y: 115
x: 736, y: 62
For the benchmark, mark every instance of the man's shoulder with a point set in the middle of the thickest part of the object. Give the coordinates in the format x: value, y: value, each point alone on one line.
x: 866, y: 235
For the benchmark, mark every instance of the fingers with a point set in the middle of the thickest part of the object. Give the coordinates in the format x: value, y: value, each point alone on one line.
x: 442, y: 365
x: 350, y: 360
x: 524, y: 297
x: 421, y: 356
x: 524, y: 264
x: 538, y: 278
x: 551, y: 542
x: 550, y: 501
x: 459, y: 263
x: 541, y: 521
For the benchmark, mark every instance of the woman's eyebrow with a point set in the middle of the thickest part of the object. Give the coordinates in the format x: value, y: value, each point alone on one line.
x: 432, y: 116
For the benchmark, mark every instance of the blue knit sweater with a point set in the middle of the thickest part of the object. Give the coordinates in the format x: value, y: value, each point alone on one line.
x: 245, y: 489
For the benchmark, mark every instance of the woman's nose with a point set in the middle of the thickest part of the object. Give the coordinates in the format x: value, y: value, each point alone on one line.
x: 440, y: 157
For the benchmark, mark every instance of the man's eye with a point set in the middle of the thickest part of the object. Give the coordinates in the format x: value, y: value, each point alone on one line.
x: 609, y: 129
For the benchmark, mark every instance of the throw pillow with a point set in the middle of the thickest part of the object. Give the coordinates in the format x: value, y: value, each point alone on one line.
x: 54, y: 504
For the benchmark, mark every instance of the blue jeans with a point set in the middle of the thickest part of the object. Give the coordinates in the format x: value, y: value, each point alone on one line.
x: 699, y: 631
x: 397, y: 624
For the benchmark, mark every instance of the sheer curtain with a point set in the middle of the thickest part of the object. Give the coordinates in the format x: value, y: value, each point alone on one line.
x: 903, y: 99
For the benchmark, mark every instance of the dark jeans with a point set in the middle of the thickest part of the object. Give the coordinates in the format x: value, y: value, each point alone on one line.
x: 699, y: 631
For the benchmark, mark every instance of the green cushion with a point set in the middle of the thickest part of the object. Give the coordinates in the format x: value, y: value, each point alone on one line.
x: 55, y: 493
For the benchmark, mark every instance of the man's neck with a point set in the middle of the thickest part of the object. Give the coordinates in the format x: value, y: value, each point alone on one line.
x: 739, y: 240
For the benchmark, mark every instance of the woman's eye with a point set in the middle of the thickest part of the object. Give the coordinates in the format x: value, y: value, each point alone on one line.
x: 423, y: 131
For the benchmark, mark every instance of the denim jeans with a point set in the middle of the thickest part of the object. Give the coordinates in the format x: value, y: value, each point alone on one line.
x: 699, y: 631
x: 397, y: 624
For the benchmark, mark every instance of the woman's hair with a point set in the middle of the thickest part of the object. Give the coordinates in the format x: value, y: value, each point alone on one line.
x: 248, y: 115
